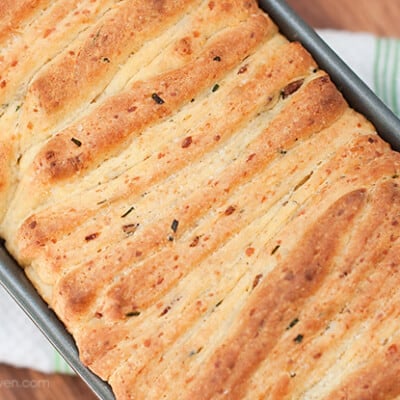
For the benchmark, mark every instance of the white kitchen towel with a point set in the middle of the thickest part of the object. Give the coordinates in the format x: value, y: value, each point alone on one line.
x: 22, y: 344
x: 375, y: 60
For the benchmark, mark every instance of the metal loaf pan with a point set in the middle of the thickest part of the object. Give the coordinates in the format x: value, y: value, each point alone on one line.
x: 359, y: 96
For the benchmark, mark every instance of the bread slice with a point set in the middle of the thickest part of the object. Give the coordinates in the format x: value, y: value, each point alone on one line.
x: 197, y: 202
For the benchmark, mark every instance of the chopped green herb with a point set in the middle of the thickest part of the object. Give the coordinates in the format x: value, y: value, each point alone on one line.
x: 192, y: 101
x: 106, y: 60
x: 76, y: 142
x: 282, y: 151
x: 157, y: 98
x: 128, y: 212
x: 217, y: 58
x: 395, y: 176
x: 194, y: 352
x: 3, y: 107
x: 215, y: 88
x: 219, y: 303
x: 18, y: 107
x: 303, y: 181
x: 276, y: 248
x: 174, y: 225
x: 133, y: 314
x: 97, y: 35
x: 170, y: 238
x: 299, y: 338
x: 292, y: 324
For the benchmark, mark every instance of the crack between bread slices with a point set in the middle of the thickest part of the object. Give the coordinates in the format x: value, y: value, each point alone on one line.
x: 102, y: 139
x: 192, y: 108
x: 50, y: 62
x: 353, y: 273
x: 253, y: 146
x: 26, y: 24
x: 231, y: 201
x: 92, y: 103
x: 203, y: 353
x: 99, y: 200
x: 174, y: 38
x: 355, y: 345
x: 11, y: 128
x: 218, y: 182
x: 68, y: 15
x: 251, y: 242
x: 100, y: 72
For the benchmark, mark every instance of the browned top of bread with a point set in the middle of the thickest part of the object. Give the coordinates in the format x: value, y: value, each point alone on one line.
x: 197, y: 202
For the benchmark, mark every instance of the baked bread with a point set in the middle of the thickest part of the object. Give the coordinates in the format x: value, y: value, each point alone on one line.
x: 197, y: 202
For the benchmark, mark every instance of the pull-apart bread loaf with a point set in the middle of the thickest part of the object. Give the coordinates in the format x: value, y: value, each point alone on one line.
x: 197, y: 202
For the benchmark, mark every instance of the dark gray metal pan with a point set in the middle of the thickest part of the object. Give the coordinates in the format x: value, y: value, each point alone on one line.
x: 359, y: 96
x: 13, y: 278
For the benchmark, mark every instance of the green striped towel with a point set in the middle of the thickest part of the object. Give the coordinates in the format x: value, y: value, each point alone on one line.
x: 375, y: 60
x: 387, y: 72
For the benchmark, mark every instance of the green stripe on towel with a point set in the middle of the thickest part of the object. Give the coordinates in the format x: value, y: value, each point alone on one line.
x: 60, y: 365
x: 387, y: 72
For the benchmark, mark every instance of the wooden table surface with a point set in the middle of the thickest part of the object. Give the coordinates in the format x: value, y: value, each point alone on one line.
x: 378, y: 16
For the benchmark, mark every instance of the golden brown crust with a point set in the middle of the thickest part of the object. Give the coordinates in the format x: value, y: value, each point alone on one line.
x: 59, y: 21
x: 43, y: 36
x: 281, y: 292
x: 174, y: 156
x: 197, y: 202
x: 369, y: 382
x: 144, y: 103
x: 340, y: 312
x: 4, y: 176
x: 13, y: 14
x: 319, y: 98
x: 106, y: 45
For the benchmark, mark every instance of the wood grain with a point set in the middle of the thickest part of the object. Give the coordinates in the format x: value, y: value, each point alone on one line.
x: 376, y: 16
x: 26, y: 384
